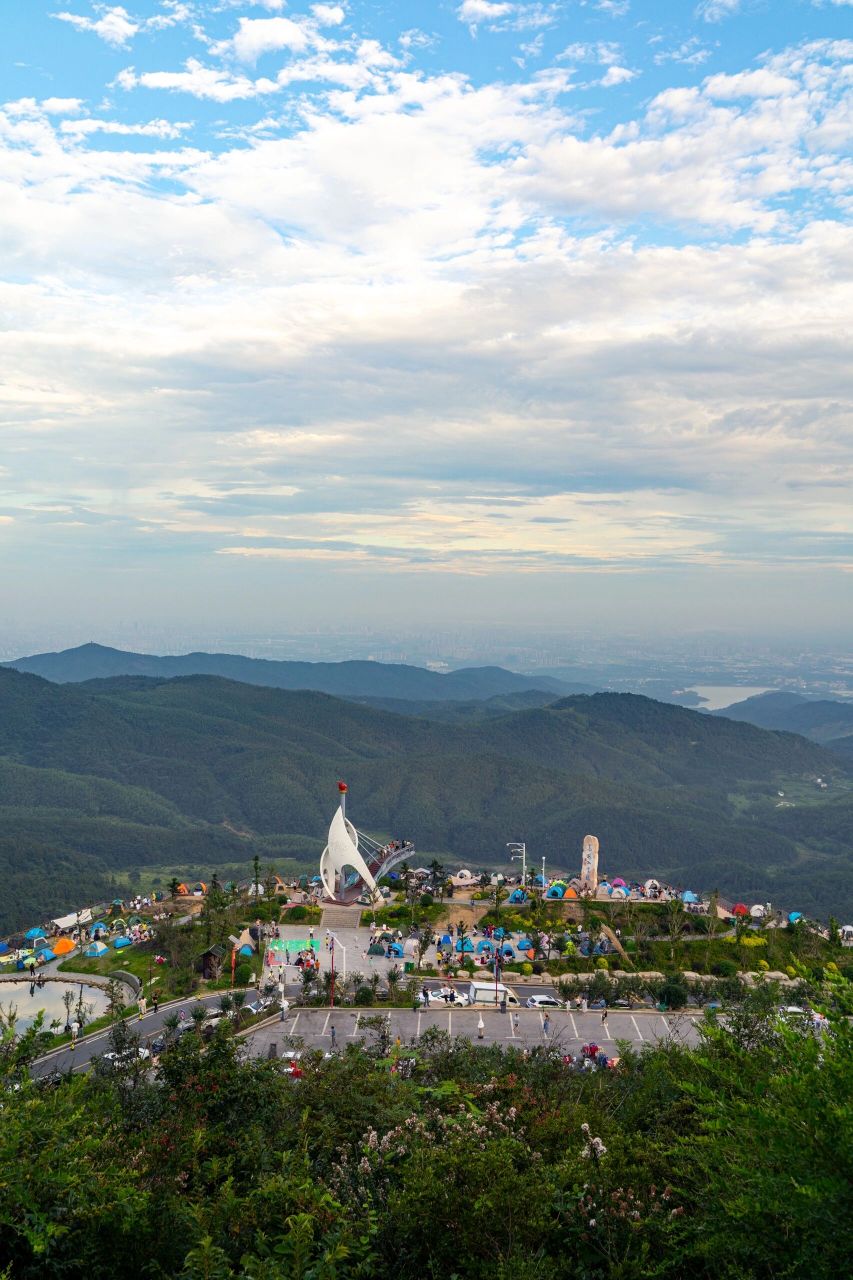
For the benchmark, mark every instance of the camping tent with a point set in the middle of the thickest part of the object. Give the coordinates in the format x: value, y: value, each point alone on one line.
x: 556, y: 891
x: 98, y: 928
x: 465, y: 945
x: 73, y: 918
x: 4, y: 948
x: 396, y: 950
x: 689, y: 896
x: 375, y: 949
x: 485, y: 944
x: 32, y: 934
x: 96, y: 949
x: 757, y: 912
x: 517, y: 896
x: 245, y: 951
x: 45, y: 955
x: 618, y: 883
x: 124, y: 941
x: 507, y: 952
x: 63, y: 946
x: 741, y: 909
x: 793, y: 917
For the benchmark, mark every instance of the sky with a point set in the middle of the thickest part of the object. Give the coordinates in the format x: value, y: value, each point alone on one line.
x: 433, y: 313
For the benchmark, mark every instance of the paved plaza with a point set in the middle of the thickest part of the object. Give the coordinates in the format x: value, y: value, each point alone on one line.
x: 312, y: 1028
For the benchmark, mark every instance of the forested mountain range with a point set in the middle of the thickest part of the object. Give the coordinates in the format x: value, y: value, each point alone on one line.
x: 820, y: 719
x: 132, y: 772
x: 356, y: 679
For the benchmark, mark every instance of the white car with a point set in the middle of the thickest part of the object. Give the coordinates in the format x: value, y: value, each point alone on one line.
x: 443, y: 997
x: 127, y: 1056
x: 543, y: 1002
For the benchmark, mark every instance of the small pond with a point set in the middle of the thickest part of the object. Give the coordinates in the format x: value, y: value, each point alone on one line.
x: 49, y: 998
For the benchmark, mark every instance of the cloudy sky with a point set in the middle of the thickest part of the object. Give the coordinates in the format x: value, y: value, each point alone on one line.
x: 427, y: 310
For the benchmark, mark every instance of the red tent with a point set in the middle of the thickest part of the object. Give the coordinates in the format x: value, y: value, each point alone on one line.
x: 740, y: 909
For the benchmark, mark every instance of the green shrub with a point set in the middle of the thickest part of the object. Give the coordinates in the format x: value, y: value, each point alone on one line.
x: 363, y: 996
x: 724, y: 968
x: 242, y: 975
x: 527, y: 968
x: 295, y: 914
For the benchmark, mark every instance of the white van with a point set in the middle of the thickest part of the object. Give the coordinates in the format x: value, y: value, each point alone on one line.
x: 492, y: 994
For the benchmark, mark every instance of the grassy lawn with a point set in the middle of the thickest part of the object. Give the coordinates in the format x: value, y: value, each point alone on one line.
x: 135, y: 960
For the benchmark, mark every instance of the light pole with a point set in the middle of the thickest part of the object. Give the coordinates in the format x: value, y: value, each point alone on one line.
x: 543, y: 877
x: 520, y: 854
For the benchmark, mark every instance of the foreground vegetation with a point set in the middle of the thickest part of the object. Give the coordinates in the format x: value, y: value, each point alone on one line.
x: 732, y: 1160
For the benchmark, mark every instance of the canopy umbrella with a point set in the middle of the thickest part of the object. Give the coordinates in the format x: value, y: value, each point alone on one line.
x: 62, y: 946
x: 375, y: 949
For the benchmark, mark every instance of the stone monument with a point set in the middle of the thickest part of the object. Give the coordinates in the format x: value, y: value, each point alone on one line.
x: 589, y: 864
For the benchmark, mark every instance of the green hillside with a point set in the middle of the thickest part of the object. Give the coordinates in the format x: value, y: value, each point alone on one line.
x: 205, y: 771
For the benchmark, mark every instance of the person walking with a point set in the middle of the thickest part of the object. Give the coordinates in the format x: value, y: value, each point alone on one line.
x: 155, y: 1002
x: 334, y: 1036
x: 143, y: 1007
x: 546, y: 1026
x: 75, y: 1027
x: 604, y: 1016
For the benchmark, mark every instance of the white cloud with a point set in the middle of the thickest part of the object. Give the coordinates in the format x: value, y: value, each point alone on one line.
x: 615, y: 75
x: 43, y: 106
x: 717, y: 10
x: 199, y: 81
x: 257, y: 36
x: 115, y: 25
x: 151, y: 129
x: 474, y: 12
x: 329, y: 15
x: 750, y: 84
x: 615, y: 8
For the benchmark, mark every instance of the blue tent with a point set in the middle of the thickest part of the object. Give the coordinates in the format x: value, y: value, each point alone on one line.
x: 498, y: 933
x: 524, y: 944
x: 794, y: 917
x: 485, y: 944
x: 96, y: 949
x: 467, y: 945
x: 34, y: 933
x: 539, y: 881
x: 396, y: 950
x: 4, y: 947
x: 507, y: 952
x: 124, y: 941
x: 245, y: 950
x: 446, y: 939
x: 45, y: 955
x: 687, y: 896
x: 556, y: 891
x: 517, y: 896
x: 100, y: 927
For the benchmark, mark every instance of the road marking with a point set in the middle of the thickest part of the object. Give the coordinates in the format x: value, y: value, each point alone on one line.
x: 418, y: 1028
x: 354, y: 1031
x: 449, y: 1020
x: 574, y: 1028
x: 636, y: 1027
x: 665, y: 1026
x: 511, y: 1025
x: 295, y: 1020
x: 326, y: 1023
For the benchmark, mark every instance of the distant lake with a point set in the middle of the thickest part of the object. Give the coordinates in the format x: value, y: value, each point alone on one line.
x: 49, y: 998
x: 719, y: 696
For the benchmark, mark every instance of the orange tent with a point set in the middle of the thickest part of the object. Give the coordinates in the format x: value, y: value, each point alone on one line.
x: 570, y: 893
x: 182, y: 888
x: 62, y: 946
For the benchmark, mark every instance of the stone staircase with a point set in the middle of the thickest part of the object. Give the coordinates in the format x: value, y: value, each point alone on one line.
x: 338, y: 917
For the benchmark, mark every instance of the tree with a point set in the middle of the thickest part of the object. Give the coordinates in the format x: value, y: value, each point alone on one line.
x: 173, y: 887
x: 422, y: 944
x: 115, y: 997
x: 499, y: 894
x: 437, y: 877
x: 675, y: 922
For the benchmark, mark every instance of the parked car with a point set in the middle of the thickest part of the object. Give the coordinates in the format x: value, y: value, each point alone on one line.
x: 126, y: 1057
x: 543, y: 1002
x: 440, y: 997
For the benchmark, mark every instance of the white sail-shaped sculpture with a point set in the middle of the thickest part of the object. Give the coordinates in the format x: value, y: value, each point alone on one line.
x: 342, y: 851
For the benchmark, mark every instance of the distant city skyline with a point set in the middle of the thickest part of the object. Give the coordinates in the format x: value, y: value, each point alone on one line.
x: 469, y: 315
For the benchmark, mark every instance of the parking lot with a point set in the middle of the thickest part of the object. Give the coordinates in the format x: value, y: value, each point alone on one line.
x: 312, y: 1028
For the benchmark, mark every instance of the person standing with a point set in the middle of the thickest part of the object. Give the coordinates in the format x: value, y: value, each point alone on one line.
x: 143, y: 1007
x: 75, y: 1027
x: 515, y: 1023
x: 546, y: 1026
x: 334, y: 1036
x: 604, y: 1017
x: 155, y: 1002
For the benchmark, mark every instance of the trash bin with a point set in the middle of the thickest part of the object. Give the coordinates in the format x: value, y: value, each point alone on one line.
x: 409, y: 966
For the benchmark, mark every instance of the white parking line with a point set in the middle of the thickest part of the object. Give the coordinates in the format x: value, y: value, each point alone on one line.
x: 354, y: 1031
x: 418, y: 1027
x: 636, y: 1027
x: 326, y: 1023
x: 295, y: 1020
x: 665, y: 1026
x: 449, y: 1020
x: 511, y: 1026
x: 574, y: 1028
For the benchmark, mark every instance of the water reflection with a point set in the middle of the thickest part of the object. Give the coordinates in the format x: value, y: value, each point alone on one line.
x: 28, y: 999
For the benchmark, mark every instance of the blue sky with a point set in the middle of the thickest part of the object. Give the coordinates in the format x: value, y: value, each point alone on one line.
x: 341, y: 310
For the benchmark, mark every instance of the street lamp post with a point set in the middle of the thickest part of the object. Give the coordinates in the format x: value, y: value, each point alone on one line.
x: 520, y: 854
